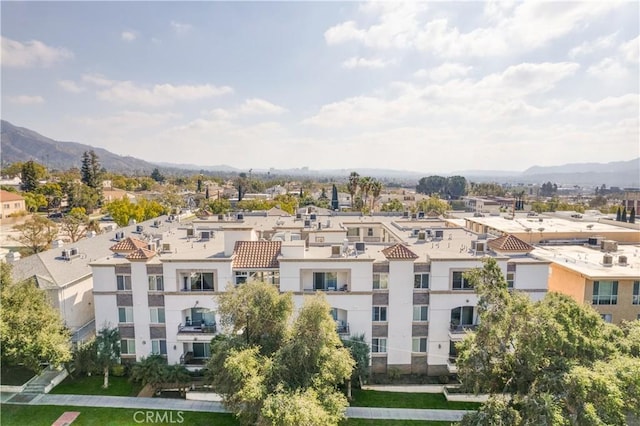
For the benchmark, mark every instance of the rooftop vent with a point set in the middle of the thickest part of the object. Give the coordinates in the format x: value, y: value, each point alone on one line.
x: 360, y: 247
x: 166, y: 248
x: 622, y: 260
x: 189, y: 232
x: 70, y: 253
x: 240, y: 216
x: 336, y: 250
x: 607, y: 260
x: 119, y: 235
x: 478, y: 246
x: 205, y: 235
x: 422, y: 236
x: 156, y: 223
x: 439, y: 234
x: 139, y: 229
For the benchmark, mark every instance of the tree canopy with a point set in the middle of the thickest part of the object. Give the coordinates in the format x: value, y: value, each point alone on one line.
x: 31, y: 330
x: 270, y: 372
x: 37, y: 233
x: 559, y: 361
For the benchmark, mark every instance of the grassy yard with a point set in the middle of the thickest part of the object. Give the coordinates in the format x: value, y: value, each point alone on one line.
x: 369, y: 398
x: 15, y: 375
x: 45, y: 415
x: 92, y: 385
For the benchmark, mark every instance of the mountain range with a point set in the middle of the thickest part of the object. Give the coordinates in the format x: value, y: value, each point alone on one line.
x: 22, y: 144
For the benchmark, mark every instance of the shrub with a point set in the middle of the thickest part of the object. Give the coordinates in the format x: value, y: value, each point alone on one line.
x: 119, y: 370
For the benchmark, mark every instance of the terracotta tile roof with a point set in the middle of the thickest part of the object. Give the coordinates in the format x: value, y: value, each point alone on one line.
x: 256, y: 254
x: 509, y: 243
x: 399, y: 252
x: 141, y: 254
x: 10, y: 196
x: 128, y: 245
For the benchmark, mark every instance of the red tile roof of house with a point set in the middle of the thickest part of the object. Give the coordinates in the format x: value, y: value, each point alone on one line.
x: 141, y: 254
x: 256, y: 254
x: 10, y: 196
x: 509, y: 243
x: 399, y: 252
x: 128, y: 245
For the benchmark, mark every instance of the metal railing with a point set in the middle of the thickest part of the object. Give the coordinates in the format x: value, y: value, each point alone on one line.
x: 193, y: 327
x: 461, y: 328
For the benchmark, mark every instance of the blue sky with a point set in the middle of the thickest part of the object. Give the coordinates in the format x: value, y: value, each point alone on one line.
x: 424, y: 86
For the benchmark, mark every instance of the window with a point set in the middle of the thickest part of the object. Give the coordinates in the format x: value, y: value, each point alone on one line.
x: 353, y: 232
x: 379, y: 345
x: 511, y: 278
x: 606, y: 317
x: 198, y: 281
x: 421, y: 313
x: 636, y: 293
x: 421, y: 281
x: 369, y: 232
x: 419, y: 344
x: 380, y: 281
x: 124, y: 282
x: 201, y: 350
x: 157, y: 315
x: 463, y: 317
x: 127, y: 347
x: 125, y: 314
x: 605, y: 292
x: 241, y: 277
x: 156, y: 283
x: 379, y: 313
x: 459, y: 282
x: 325, y: 281
x: 158, y: 346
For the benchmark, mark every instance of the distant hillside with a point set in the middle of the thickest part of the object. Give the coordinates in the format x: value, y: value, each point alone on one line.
x: 613, y: 167
x: 21, y: 144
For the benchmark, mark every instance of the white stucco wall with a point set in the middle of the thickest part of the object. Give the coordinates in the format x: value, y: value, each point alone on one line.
x: 400, y: 312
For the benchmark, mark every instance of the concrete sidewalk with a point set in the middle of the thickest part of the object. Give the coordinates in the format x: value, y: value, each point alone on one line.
x: 217, y: 407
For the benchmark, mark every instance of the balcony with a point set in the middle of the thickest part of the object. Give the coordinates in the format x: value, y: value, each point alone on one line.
x: 457, y: 331
x: 342, y: 328
x: 192, y: 331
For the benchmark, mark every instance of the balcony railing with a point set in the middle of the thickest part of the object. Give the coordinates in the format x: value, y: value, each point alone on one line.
x: 342, y: 287
x: 461, y: 328
x: 342, y: 328
x: 187, y: 358
x: 192, y: 327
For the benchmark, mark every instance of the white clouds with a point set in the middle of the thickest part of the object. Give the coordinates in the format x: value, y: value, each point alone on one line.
x: 609, y: 69
x: 358, y: 62
x: 444, y: 72
x: 180, y: 28
x: 127, y: 92
x: 26, y: 100
x: 127, y: 120
x: 128, y: 36
x: 71, y: 86
x: 257, y: 106
x: 618, y: 105
x: 510, y: 29
x: 589, y: 47
x: 31, y: 54
x: 630, y: 50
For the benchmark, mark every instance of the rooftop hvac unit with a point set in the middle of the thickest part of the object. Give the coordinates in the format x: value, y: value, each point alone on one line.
x: 139, y: 229
x: 622, y: 260
x: 119, y: 235
x: 360, y: 247
x: 413, y: 216
x: 478, y: 246
x: 220, y: 217
x: 336, y: 250
x: 156, y: 223
x: 607, y: 260
x: 439, y: 234
x: 205, y: 235
x: 171, y: 218
x: 422, y: 236
x: 298, y: 216
x: 307, y: 223
x: 609, y: 245
x: 240, y: 216
x: 405, y: 215
x: 166, y: 247
x: 189, y: 232
x: 151, y: 246
x: 70, y: 253
x: 313, y: 216
x: 415, y: 232
x: 420, y: 215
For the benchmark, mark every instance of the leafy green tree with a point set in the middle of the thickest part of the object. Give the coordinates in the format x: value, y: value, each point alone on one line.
x: 36, y: 233
x: 157, y: 176
x: 53, y: 193
x: 74, y: 224
x: 394, y: 205
x: 270, y: 373
x: 559, y: 361
x: 632, y: 215
x: 456, y: 186
x: 34, y: 201
x: 90, y: 170
x: 177, y: 376
x: 124, y: 210
x: 31, y: 174
x: 352, y: 187
x: 151, y: 370
x: 433, y: 203
x: 432, y: 185
x: 219, y: 206
x: 241, y: 183
x: 79, y: 195
x: 31, y: 330
x: 624, y: 215
x: 365, y: 187
x: 360, y: 352
x: 85, y: 358
x: 108, y: 351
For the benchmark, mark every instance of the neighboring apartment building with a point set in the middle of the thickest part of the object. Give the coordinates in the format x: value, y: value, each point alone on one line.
x: 601, y: 273
x: 10, y: 203
x: 399, y: 281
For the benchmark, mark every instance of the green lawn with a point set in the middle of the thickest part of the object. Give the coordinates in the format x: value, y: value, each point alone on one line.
x: 45, y: 415
x: 369, y: 398
x: 15, y: 375
x: 85, y: 385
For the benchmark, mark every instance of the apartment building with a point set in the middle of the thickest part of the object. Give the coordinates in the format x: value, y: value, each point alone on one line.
x: 601, y: 273
x: 397, y: 280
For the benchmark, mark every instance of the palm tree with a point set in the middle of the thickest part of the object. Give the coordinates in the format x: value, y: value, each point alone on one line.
x: 376, y: 189
x: 108, y: 347
x: 352, y: 186
x: 151, y: 371
x: 365, y: 187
